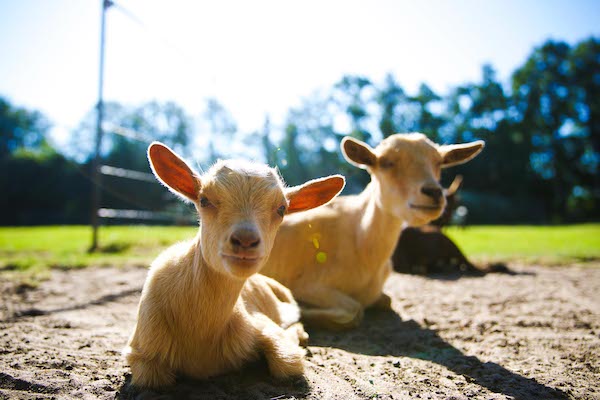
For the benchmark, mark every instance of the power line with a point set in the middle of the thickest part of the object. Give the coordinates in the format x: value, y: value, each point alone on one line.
x: 160, y: 37
x: 126, y: 132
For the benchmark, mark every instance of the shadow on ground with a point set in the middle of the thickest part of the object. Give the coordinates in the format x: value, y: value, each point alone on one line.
x: 35, y: 312
x: 253, y: 382
x: 384, y: 333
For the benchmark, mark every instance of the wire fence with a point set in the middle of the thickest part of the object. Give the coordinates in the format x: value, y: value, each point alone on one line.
x: 139, y: 213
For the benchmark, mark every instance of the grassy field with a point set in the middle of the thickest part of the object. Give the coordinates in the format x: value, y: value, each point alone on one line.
x: 41, y: 248
x: 533, y: 244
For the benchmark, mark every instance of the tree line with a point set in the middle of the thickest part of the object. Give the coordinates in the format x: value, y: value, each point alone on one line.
x: 540, y: 165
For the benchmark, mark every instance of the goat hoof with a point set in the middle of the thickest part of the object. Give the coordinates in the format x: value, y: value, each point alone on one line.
x: 288, y: 365
x: 384, y: 302
x: 349, y: 320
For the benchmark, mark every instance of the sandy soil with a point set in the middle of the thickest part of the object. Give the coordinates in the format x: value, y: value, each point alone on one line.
x: 533, y: 335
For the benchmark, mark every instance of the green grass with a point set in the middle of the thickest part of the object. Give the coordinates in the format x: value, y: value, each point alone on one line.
x: 531, y: 244
x: 39, y: 248
x: 36, y: 249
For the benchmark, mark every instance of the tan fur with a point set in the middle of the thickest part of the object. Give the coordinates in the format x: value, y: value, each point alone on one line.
x: 204, y: 310
x: 335, y: 259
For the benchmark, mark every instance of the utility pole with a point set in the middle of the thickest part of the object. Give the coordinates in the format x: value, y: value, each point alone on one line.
x: 96, y: 189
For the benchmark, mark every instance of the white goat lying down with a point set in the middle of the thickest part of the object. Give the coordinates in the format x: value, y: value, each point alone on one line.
x: 341, y: 253
x: 204, y: 310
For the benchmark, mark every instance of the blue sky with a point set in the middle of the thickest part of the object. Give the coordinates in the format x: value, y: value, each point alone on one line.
x: 262, y: 57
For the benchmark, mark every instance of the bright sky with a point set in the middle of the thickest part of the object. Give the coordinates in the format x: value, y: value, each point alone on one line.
x: 263, y: 56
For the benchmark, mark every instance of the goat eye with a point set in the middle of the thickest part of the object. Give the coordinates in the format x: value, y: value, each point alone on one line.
x: 281, y: 211
x: 204, y: 202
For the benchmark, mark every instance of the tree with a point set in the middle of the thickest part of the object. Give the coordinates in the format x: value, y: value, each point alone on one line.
x: 222, y: 128
x: 270, y: 152
x: 584, y: 62
x: 38, y: 186
x: 43, y: 188
x: 501, y: 178
x: 308, y: 146
x: 481, y: 111
x: 427, y: 120
x: 555, y: 106
x: 389, y: 97
x: 20, y: 128
x: 354, y: 97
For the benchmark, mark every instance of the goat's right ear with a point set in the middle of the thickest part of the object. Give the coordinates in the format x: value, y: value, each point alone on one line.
x: 456, y: 154
x: 358, y: 153
x: 314, y: 193
x: 173, y: 172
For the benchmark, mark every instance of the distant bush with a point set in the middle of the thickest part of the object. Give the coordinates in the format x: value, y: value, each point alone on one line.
x: 43, y: 187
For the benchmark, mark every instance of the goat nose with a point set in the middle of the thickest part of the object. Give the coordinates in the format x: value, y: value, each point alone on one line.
x: 432, y: 191
x: 245, y: 238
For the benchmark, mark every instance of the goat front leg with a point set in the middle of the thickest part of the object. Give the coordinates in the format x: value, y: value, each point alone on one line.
x: 329, y: 308
x: 283, y: 354
x: 148, y: 372
x: 383, y: 301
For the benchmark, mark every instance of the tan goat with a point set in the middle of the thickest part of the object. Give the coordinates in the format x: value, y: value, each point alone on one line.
x: 341, y: 253
x: 204, y: 310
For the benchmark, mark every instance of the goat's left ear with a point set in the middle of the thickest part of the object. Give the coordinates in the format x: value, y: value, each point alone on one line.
x: 314, y: 193
x: 456, y: 154
x: 358, y: 153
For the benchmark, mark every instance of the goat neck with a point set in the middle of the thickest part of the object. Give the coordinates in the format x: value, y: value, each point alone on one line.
x: 208, y: 290
x: 378, y: 229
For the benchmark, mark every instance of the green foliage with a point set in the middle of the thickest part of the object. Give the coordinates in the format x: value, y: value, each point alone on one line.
x: 129, y: 130
x: 388, y: 98
x: 42, y: 186
x: 352, y: 95
x: 20, y: 128
x: 222, y: 126
x: 556, y: 94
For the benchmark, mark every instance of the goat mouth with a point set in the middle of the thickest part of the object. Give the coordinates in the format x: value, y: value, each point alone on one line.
x: 423, y: 207
x: 245, y: 259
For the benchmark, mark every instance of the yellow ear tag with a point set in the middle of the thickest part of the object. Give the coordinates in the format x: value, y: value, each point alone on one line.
x: 314, y: 239
x: 321, y: 257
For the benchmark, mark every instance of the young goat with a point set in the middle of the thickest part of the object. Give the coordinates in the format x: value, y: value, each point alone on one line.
x: 204, y: 310
x: 427, y: 250
x: 341, y: 256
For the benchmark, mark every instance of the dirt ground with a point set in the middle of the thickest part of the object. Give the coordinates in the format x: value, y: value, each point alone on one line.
x: 532, y: 335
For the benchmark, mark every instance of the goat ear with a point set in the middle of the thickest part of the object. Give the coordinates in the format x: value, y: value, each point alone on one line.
x: 314, y: 193
x: 173, y: 172
x: 358, y: 153
x: 456, y: 154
